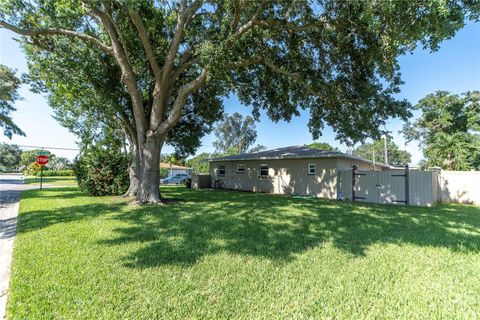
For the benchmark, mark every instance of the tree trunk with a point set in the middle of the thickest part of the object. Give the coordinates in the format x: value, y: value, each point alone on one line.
x: 134, y: 175
x: 149, y: 188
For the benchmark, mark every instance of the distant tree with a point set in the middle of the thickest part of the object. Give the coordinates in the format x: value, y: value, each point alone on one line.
x: 9, y: 85
x: 178, y: 59
x: 322, y: 146
x: 396, y: 156
x: 453, y: 151
x: 257, y: 148
x: 199, y: 163
x: 28, y: 156
x: 172, y: 158
x: 448, y: 130
x: 10, y: 156
x: 59, y: 163
x: 235, y: 134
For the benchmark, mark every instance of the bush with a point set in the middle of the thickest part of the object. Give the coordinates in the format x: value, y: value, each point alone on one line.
x: 33, y: 169
x: 102, y: 173
x: 188, y: 183
x: 55, y: 173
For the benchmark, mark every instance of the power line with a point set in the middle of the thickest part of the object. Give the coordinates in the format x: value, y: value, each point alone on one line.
x: 55, y: 148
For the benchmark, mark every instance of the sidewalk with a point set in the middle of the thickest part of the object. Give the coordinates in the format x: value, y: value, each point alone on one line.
x: 10, y: 188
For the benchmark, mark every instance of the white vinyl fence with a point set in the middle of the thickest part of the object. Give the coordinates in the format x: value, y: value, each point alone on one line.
x: 424, y: 188
x: 459, y: 186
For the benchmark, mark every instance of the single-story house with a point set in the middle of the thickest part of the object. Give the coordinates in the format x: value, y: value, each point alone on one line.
x: 174, y: 169
x: 291, y: 170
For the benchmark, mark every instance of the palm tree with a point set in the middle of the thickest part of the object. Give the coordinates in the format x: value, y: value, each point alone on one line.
x: 452, y: 151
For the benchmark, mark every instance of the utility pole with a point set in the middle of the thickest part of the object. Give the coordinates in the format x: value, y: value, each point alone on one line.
x: 385, y: 150
x: 373, y: 157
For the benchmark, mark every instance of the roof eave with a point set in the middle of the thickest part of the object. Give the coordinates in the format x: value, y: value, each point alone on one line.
x: 331, y: 155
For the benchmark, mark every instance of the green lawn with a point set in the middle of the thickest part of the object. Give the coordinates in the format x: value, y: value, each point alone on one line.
x: 52, y: 181
x: 216, y: 254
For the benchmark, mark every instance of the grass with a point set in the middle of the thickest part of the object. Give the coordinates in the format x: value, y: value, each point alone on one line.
x: 217, y: 254
x: 52, y: 181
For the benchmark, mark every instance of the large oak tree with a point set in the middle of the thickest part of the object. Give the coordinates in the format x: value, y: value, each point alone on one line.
x: 176, y: 59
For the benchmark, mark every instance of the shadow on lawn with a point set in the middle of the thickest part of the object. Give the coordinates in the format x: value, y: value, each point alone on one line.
x: 275, y: 227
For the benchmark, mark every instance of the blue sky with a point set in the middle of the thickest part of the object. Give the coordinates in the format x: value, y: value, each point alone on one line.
x: 455, y: 68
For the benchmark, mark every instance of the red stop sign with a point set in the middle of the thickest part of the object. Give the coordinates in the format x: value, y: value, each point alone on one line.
x: 42, y: 160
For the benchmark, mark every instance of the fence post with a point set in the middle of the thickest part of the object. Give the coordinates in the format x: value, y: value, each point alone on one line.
x: 354, y: 168
x: 407, y: 196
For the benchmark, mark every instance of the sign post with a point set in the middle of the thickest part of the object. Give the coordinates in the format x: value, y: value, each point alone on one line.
x: 41, y: 159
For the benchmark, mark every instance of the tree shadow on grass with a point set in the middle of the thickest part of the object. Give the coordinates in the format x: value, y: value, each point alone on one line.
x: 269, y: 226
x: 278, y: 227
x: 35, y: 219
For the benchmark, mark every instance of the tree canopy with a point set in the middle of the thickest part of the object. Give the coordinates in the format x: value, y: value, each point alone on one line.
x: 322, y: 146
x: 448, y: 130
x: 10, y: 156
x: 9, y: 85
x: 395, y: 155
x: 236, y: 134
x: 176, y: 60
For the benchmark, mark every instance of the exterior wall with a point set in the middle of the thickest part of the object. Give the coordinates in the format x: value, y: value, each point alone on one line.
x: 200, y: 181
x: 286, y: 176
x: 459, y: 186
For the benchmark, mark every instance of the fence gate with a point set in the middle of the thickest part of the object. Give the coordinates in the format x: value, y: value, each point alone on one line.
x: 380, y: 186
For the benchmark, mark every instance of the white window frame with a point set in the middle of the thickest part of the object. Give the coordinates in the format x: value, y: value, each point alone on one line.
x: 240, y: 165
x: 310, y: 166
x: 220, y: 169
x: 268, y: 168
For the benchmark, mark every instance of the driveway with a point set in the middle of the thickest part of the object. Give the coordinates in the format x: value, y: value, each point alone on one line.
x: 10, y: 187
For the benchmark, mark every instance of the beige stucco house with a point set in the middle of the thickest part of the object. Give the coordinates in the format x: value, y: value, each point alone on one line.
x: 291, y: 170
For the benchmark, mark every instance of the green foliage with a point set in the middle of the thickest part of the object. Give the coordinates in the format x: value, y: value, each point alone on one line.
x: 457, y: 150
x: 163, y: 173
x: 448, y: 130
x: 172, y: 158
x: 10, y: 156
x: 9, y: 85
x: 322, y: 146
x: 32, y: 169
x: 102, y: 172
x: 58, y: 163
x: 396, y: 156
x: 241, y: 255
x: 28, y: 156
x: 200, y: 163
x: 235, y: 134
x: 50, y: 173
x: 336, y: 58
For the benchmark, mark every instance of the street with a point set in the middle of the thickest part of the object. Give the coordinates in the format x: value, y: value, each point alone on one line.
x: 10, y: 187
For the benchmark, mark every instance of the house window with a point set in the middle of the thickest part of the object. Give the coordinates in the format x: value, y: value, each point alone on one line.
x: 263, y: 170
x: 221, y: 170
x: 312, y: 168
x: 240, y: 168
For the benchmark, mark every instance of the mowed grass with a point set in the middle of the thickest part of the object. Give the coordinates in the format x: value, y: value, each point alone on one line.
x: 51, y: 181
x: 233, y: 255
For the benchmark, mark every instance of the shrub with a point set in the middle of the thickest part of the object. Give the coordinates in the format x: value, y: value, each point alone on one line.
x: 33, y: 169
x: 188, y: 183
x: 102, y: 172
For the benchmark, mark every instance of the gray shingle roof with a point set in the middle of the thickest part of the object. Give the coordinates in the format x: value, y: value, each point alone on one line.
x: 292, y: 152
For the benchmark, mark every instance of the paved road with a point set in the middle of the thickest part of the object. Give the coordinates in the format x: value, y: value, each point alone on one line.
x: 10, y: 187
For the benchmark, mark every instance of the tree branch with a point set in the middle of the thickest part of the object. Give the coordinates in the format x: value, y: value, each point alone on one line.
x: 180, y: 101
x: 128, y: 76
x: 261, y: 60
x: 143, y: 34
x: 160, y: 100
x: 57, y: 31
